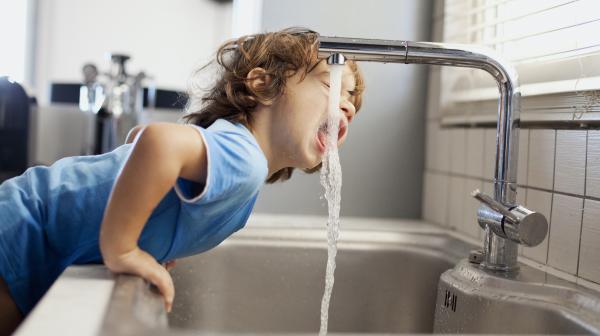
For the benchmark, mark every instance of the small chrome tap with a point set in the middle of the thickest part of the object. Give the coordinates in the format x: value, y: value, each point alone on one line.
x: 516, y: 223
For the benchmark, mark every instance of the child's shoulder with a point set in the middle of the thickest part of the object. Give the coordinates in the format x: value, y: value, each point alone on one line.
x: 232, y: 147
x: 233, y: 137
x: 227, y: 127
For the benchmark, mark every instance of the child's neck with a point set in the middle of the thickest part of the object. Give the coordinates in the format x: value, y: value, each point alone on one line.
x: 261, y: 129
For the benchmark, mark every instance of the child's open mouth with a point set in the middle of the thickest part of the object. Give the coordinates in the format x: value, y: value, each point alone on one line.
x: 323, y: 131
x: 322, y: 137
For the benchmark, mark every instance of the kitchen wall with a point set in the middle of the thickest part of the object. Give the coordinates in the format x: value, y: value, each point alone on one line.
x: 558, y: 175
x: 166, y: 39
x: 382, y: 159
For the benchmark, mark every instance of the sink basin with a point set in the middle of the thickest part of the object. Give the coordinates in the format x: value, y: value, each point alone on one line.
x: 268, y: 280
x: 392, y: 277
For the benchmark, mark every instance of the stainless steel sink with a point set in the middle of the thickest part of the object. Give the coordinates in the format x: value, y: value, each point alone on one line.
x: 393, y: 277
x: 472, y: 300
x: 268, y: 280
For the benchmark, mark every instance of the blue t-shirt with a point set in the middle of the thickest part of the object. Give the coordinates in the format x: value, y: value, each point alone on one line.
x: 50, y: 216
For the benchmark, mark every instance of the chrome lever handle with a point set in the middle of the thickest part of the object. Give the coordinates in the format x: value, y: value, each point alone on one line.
x: 494, y: 205
x: 518, y: 223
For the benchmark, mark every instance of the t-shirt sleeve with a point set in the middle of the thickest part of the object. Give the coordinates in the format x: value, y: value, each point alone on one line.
x: 236, y: 169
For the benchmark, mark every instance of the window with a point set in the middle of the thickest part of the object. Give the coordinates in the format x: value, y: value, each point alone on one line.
x: 554, y: 45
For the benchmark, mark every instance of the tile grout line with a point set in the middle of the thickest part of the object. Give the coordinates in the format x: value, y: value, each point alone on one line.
x: 587, y: 133
x: 465, y: 147
x: 591, y: 198
x: 526, y: 178
x: 448, y: 179
x: 552, y: 199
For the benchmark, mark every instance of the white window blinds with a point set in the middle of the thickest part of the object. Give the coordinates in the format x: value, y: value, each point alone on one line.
x: 554, y: 44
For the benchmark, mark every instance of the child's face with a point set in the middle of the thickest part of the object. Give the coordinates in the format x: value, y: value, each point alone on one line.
x: 303, y: 109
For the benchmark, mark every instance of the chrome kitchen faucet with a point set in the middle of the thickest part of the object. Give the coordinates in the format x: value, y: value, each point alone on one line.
x: 506, y: 223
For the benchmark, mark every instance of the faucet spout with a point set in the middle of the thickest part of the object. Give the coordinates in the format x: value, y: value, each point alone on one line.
x: 337, y: 59
x: 500, y: 253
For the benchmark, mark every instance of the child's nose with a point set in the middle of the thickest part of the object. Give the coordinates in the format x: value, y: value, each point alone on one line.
x: 348, y: 110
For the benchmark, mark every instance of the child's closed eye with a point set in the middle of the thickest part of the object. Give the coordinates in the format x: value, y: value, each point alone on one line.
x: 350, y: 92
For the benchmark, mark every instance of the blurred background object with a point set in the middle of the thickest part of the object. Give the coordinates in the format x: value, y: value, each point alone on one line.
x: 45, y: 45
x: 14, y: 128
x: 113, y: 104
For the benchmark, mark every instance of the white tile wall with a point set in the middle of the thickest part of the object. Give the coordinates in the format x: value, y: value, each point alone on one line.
x: 475, y: 152
x: 565, y: 230
x: 523, y: 157
x: 434, y: 198
x: 589, y: 256
x: 522, y: 195
x: 489, y: 153
x: 593, y: 164
x: 558, y: 175
x: 441, y: 203
x: 458, y: 142
x: 570, y: 161
x: 470, y: 226
x: 431, y: 146
x: 541, y: 158
x: 443, y: 160
x: 456, y: 202
x: 428, y: 197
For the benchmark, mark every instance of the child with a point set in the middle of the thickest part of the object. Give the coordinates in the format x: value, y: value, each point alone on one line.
x: 174, y: 190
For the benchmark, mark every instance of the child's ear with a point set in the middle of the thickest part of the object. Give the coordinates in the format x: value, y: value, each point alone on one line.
x: 258, y: 80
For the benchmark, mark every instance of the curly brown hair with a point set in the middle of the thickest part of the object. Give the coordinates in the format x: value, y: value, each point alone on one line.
x: 281, y: 54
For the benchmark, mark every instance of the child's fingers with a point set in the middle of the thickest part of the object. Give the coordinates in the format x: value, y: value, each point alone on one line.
x: 143, y: 264
x: 161, y: 278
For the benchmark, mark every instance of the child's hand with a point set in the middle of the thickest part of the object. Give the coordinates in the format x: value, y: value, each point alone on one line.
x: 139, y: 262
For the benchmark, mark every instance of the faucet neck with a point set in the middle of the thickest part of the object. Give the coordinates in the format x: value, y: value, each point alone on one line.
x: 499, y: 252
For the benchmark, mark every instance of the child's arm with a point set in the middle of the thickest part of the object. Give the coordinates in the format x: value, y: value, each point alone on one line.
x: 162, y: 153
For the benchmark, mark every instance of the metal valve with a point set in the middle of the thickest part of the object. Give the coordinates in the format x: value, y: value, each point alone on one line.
x: 516, y: 223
